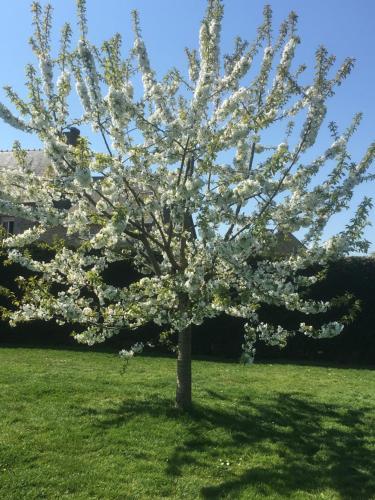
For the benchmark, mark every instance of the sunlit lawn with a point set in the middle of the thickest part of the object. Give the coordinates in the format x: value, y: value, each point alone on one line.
x: 73, y: 427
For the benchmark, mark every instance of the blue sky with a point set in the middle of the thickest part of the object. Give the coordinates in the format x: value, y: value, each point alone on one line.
x: 345, y: 27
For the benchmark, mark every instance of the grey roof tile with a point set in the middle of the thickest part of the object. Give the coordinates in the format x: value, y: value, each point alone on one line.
x: 36, y: 159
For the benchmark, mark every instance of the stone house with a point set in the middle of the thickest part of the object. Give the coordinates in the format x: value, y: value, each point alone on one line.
x: 38, y: 162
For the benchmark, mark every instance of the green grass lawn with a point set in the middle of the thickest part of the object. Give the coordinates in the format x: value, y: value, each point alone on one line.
x: 73, y: 427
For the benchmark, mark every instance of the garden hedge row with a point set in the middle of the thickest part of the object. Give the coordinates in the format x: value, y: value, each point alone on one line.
x: 223, y: 336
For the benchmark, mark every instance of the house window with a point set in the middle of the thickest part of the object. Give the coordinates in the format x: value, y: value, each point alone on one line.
x: 8, y: 225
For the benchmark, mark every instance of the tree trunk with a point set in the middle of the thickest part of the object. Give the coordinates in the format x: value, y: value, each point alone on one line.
x: 183, y: 390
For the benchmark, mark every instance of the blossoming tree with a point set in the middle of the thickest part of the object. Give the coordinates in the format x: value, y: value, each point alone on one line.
x: 189, y: 185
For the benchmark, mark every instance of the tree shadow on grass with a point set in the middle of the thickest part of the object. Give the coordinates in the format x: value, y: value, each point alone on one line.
x: 317, y: 446
x: 305, y: 446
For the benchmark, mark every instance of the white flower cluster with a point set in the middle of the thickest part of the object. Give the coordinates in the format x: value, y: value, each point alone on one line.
x: 10, y: 119
x: 120, y: 105
x: 128, y: 354
x: 83, y: 94
x: 92, y: 78
x: 46, y: 70
x: 326, y: 331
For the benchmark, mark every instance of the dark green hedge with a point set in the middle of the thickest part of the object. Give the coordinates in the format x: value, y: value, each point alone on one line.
x: 223, y: 336
x: 48, y: 333
x: 355, y: 345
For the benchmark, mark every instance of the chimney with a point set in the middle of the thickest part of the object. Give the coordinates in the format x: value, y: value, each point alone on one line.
x: 72, y: 136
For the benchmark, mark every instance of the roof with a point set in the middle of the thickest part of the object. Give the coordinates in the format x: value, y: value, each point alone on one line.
x: 36, y: 159
x: 287, y: 243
